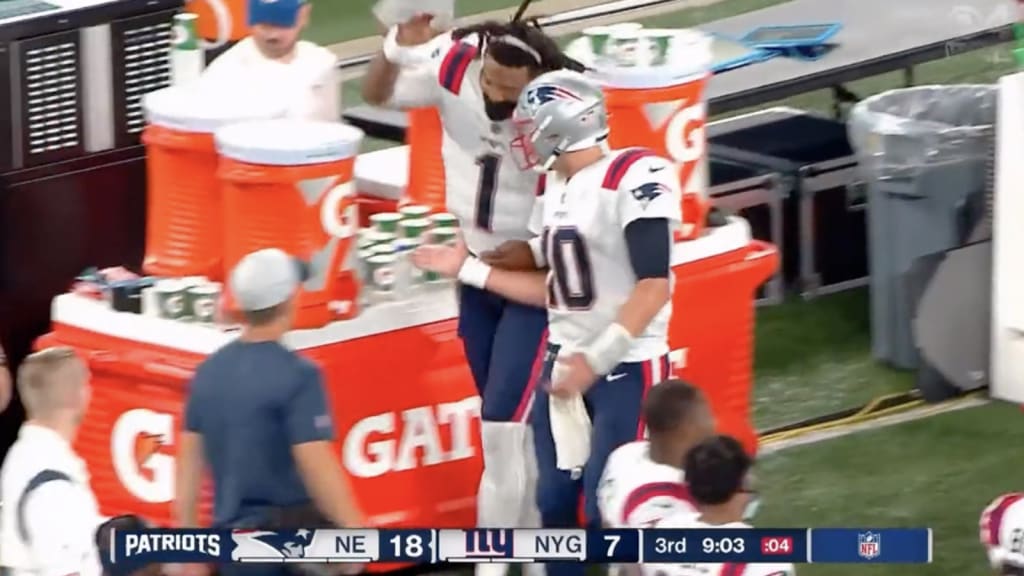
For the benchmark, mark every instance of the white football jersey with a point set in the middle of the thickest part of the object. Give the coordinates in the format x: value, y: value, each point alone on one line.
x: 590, y: 275
x: 493, y: 199
x: 1002, y: 530
x: 637, y: 492
x: 729, y: 569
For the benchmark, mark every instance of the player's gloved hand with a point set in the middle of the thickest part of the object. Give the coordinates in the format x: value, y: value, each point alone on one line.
x: 442, y: 259
x: 572, y: 374
x: 511, y: 255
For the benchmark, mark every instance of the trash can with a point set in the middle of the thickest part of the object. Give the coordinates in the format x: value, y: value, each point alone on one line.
x: 923, y: 152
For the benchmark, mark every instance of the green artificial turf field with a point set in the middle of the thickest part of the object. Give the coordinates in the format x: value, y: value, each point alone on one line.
x: 813, y: 358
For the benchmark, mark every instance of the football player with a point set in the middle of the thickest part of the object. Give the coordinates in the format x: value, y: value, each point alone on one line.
x: 642, y: 482
x: 474, y: 77
x: 606, y: 246
x: 1002, y: 534
x: 718, y: 472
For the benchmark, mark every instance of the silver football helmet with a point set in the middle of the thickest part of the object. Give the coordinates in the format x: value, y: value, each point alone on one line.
x: 561, y: 111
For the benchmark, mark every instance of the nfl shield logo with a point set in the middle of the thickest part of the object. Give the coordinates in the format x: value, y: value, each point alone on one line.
x: 869, y: 545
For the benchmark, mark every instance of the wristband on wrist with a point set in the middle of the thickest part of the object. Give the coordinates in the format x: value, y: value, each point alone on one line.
x: 537, y: 247
x: 396, y: 54
x: 474, y: 273
x: 608, y: 349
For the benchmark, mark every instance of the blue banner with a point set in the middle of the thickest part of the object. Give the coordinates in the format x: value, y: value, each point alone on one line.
x: 871, y: 545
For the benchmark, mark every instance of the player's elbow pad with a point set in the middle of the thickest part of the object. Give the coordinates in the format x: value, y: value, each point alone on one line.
x: 649, y: 241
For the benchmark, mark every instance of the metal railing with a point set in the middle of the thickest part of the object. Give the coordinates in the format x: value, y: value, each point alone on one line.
x: 567, y: 17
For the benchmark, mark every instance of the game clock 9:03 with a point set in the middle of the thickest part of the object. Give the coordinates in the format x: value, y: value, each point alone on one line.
x: 723, y: 545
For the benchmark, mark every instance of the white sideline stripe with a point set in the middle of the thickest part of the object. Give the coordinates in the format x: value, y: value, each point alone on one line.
x: 883, y: 422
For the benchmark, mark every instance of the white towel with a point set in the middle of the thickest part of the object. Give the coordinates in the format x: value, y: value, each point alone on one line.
x: 570, y: 428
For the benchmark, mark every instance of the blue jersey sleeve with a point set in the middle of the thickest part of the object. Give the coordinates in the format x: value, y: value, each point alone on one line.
x: 308, y: 412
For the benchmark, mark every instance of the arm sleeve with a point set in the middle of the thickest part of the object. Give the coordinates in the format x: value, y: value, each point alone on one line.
x: 649, y: 241
x: 62, y: 530
x: 650, y: 189
x: 308, y: 413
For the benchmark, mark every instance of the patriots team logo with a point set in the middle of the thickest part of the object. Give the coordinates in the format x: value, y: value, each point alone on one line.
x: 270, y: 544
x: 869, y: 545
x: 549, y: 93
x: 646, y: 193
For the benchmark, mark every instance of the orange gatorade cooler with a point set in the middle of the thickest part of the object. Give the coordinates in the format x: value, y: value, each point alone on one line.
x: 661, y: 105
x: 220, y: 21
x: 289, y: 184
x: 183, y: 223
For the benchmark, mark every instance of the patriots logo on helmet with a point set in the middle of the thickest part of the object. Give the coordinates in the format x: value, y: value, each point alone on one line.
x: 264, y: 543
x: 549, y: 93
x: 646, y: 193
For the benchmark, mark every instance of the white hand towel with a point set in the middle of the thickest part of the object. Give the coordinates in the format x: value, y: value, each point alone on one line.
x: 570, y: 428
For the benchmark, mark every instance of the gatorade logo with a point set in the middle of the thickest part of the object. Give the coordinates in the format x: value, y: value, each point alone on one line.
x: 677, y: 361
x: 137, y: 443
x: 685, y: 139
x: 174, y: 305
x: 178, y: 35
x: 203, y: 307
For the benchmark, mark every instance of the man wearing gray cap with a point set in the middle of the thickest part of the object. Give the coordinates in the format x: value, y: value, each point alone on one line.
x: 257, y: 414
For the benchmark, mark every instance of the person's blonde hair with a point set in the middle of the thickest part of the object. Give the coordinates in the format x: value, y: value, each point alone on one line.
x: 41, y: 384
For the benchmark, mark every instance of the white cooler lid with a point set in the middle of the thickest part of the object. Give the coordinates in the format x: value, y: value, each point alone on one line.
x: 288, y: 142
x: 690, y: 54
x: 383, y: 173
x: 192, y: 109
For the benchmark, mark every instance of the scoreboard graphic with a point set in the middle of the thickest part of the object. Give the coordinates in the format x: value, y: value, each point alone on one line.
x: 427, y: 546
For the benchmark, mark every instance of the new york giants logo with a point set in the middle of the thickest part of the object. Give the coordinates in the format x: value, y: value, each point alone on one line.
x: 488, y: 543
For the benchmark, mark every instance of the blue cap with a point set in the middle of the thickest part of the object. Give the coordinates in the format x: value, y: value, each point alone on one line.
x: 281, y: 13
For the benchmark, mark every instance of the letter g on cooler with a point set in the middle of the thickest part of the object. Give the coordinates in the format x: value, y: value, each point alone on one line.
x: 144, y: 471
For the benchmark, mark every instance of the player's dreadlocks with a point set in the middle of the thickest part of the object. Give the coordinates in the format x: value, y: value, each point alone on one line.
x: 519, y: 43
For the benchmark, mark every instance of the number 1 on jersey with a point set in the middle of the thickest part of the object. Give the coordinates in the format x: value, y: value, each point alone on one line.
x: 486, y: 186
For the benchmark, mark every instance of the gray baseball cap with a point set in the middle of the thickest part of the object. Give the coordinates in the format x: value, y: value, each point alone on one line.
x: 266, y: 278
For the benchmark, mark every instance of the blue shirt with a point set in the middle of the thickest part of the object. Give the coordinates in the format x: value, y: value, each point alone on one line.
x: 251, y: 402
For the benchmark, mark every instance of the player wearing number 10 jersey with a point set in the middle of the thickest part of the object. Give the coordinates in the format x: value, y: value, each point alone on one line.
x: 1002, y: 534
x: 718, y: 472
x: 606, y: 245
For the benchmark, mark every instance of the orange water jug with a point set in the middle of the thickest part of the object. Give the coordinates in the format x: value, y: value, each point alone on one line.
x: 183, y: 228
x: 426, y: 165
x: 220, y: 21
x: 664, y: 108
x: 289, y: 184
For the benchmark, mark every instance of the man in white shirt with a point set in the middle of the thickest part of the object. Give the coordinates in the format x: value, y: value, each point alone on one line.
x: 274, y: 63
x: 49, y: 518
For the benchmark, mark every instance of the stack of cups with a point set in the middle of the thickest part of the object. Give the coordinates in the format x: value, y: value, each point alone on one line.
x: 190, y: 299
x: 628, y: 45
x: 385, y: 250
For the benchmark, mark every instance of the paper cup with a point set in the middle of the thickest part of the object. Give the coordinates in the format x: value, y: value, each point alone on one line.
x: 383, y: 248
x: 598, y: 36
x: 443, y: 236
x: 414, y: 211
x: 170, y: 299
x: 659, y: 43
x: 414, y: 227
x: 624, y: 47
x: 150, y: 304
x: 386, y: 222
x: 202, y: 302
x: 375, y: 237
x: 411, y: 275
x: 444, y: 220
x: 381, y: 272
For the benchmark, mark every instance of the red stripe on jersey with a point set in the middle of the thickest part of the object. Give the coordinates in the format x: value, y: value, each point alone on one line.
x: 454, y: 66
x: 645, y: 492
x: 733, y: 570
x: 542, y: 184
x: 992, y: 518
x: 618, y: 168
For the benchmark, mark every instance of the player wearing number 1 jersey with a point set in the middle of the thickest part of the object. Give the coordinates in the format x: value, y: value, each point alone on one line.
x: 473, y: 77
x: 718, y: 472
x: 606, y: 245
x: 1002, y: 534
